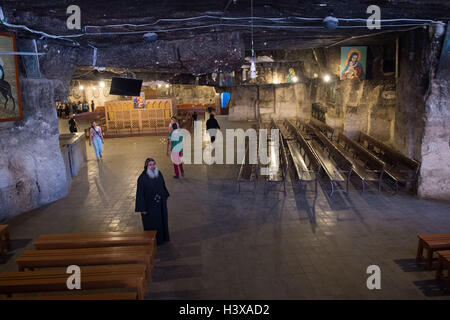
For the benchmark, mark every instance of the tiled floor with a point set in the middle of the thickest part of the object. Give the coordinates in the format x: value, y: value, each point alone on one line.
x: 230, y: 245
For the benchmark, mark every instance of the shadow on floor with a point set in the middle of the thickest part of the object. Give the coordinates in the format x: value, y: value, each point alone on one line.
x: 411, y: 265
x: 175, y: 295
x: 176, y: 272
x: 432, y: 287
x: 170, y: 252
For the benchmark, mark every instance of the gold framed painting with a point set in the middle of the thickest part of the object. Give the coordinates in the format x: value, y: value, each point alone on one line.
x: 10, y: 101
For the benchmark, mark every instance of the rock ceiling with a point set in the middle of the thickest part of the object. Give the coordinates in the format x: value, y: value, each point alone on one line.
x: 197, y: 37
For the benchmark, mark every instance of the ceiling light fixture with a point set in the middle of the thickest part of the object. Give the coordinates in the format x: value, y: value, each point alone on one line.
x: 252, y: 65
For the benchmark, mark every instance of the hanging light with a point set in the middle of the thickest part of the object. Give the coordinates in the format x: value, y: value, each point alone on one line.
x: 252, y: 64
x: 167, y: 85
x: 159, y: 85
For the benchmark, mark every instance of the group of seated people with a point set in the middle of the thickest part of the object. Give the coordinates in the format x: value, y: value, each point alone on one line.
x: 64, y: 109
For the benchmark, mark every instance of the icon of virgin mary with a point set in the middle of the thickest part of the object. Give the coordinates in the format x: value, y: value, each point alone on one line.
x: 353, y: 68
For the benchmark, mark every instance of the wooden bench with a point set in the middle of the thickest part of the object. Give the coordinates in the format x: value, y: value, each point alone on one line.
x: 279, y: 165
x: 31, y: 259
x: 91, y: 296
x: 95, y: 240
x: 366, y: 166
x: 399, y: 168
x: 285, y: 133
x: 305, y: 161
x: 322, y: 127
x: 433, y: 243
x: 92, y: 278
x: 5, y: 241
x: 248, y: 172
x: 334, y: 164
x: 443, y: 263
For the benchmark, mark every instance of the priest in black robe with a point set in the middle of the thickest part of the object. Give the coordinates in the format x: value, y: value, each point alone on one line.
x: 151, y: 201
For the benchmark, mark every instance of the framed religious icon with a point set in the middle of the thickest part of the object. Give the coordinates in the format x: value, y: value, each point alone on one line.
x: 353, y: 63
x: 10, y: 101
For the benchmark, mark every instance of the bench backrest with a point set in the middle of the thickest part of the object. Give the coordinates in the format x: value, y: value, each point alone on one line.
x: 338, y: 157
x: 283, y: 158
x: 370, y: 161
x: 324, y: 128
x: 388, y: 154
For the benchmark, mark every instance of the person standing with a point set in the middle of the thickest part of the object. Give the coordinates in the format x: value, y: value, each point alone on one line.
x: 151, y: 201
x: 211, y: 126
x: 73, y: 124
x: 194, y: 118
x: 176, y: 150
x: 96, y: 138
x: 92, y: 106
x: 210, y: 108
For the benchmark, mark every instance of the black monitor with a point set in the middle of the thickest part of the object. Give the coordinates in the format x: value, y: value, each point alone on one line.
x: 125, y: 86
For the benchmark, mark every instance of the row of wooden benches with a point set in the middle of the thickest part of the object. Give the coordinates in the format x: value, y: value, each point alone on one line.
x: 435, y: 244
x: 107, y: 260
x: 340, y: 158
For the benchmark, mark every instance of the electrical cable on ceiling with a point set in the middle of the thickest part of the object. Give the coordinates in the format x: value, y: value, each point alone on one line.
x: 71, y: 36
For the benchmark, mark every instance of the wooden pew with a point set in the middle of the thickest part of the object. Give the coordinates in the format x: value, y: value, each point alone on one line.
x: 248, y: 172
x: 278, y: 170
x: 322, y: 127
x: 433, y: 243
x: 305, y: 161
x: 285, y: 133
x: 91, y: 296
x: 398, y: 167
x: 92, y: 278
x: 366, y: 166
x: 443, y: 263
x: 334, y: 164
x: 31, y: 259
x: 5, y: 241
x: 95, y: 240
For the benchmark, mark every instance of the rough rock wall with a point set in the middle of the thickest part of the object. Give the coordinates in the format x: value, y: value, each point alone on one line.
x: 270, y: 101
x: 435, y: 170
x: 243, y: 103
x: 412, y: 86
x: 32, y: 170
x: 193, y: 94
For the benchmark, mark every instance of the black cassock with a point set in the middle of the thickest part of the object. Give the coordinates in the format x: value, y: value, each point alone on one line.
x: 151, y: 197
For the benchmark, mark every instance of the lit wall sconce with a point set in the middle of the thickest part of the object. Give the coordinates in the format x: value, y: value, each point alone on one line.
x: 81, y: 87
x: 295, y: 79
x: 326, y: 78
x: 101, y: 84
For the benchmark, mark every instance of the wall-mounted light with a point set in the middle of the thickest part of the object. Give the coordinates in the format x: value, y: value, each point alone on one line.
x: 167, y: 85
x: 295, y: 79
x: 101, y: 84
x: 159, y: 85
x: 81, y: 87
x: 326, y: 78
x: 275, y: 80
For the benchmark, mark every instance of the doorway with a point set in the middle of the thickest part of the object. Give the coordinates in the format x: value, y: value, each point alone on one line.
x: 224, y: 102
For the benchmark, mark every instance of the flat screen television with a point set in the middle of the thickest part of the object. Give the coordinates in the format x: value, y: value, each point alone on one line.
x: 125, y: 86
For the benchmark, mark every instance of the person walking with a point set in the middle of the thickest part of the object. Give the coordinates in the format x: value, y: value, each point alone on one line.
x: 151, y: 201
x: 176, y: 150
x: 211, y: 126
x: 96, y: 138
x: 73, y: 124
x: 92, y: 106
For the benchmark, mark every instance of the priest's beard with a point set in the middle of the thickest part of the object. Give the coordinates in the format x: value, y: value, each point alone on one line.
x: 153, y: 174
